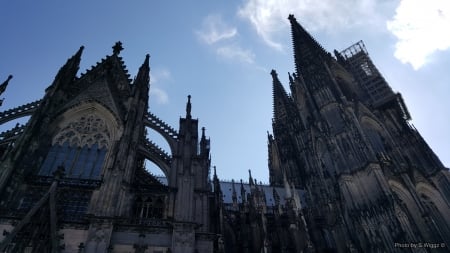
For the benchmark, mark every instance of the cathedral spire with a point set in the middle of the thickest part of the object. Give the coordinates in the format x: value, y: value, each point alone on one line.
x: 280, y: 98
x: 306, y: 49
x: 188, y: 108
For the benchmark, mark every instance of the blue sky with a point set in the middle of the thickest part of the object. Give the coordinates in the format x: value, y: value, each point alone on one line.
x: 221, y: 53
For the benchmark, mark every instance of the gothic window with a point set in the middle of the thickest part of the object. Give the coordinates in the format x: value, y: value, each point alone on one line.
x: 375, y: 139
x: 373, y: 132
x: 80, y: 147
x: 79, y: 162
x: 439, y: 220
x: 150, y: 207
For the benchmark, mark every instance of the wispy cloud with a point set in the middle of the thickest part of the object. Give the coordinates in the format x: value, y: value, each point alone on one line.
x: 158, y: 77
x: 222, y: 37
x: 160, y: 95
x: 421, y: 28
x: 269, y: 17
x: 214, y: 29
x: 234, y: 52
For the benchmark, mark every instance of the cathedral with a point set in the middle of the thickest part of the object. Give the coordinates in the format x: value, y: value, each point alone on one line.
x: 348, y: 172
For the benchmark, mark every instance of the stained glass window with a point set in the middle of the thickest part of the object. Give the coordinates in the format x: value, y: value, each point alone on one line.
x: 80, y: 147
x: 83, y: 163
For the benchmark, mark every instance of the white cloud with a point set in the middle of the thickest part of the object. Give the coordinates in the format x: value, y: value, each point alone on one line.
x: 422, y: 28
x: 235, y: 52
x: 222, y: 37
x: 269, y: 17
x: 160, y: 95
x: 214, y: 30
x: 157, y: 78
x: 160, y: 74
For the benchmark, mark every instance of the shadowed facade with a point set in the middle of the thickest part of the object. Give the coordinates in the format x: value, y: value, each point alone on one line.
x: 348, y: 172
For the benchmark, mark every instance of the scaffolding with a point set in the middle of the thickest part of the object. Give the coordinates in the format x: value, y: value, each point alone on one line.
x: 359, y: 63
x: 378, y: 93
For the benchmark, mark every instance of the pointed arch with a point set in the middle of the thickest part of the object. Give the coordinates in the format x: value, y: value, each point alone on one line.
x: 82, y: 138
x: 407, y: 212
x: 375, y: 133
x: 431, y: 196
x: 112, y: 123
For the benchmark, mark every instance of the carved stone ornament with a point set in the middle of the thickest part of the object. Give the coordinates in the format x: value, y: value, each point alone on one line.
x: 85, y: 130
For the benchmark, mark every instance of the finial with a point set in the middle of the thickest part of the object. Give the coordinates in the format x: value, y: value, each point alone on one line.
x: 117, y: 48
x: 80, y: 50
x: 203, y: 132
x: 274, y: 73
x: 188, y: 108
x: 250, y: 179
x: 291, y: 17
x: 215, y: 174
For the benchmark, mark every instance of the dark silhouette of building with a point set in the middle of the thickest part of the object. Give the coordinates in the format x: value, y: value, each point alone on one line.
x: 348, y: 173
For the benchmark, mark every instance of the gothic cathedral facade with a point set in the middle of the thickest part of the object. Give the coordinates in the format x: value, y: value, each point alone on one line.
x: 348, y: 172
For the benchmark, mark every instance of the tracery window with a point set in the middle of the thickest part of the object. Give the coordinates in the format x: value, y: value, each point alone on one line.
x: 80, y: 147
x: 150, y: 207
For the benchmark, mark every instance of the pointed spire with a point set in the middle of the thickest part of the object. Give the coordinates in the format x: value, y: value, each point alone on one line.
x: 142, y: 80
x: 306, y: 48
x: 5, y: 84
x: 69, y: 71
x: 233, y: 194
x: 144, y: 71
x: 250, y: 179
x: 203, y: 133
x: 75, y: 60
x: 242, y: 192
x: 280, y: 98
x: 204, y: 144
x: 188, y: 108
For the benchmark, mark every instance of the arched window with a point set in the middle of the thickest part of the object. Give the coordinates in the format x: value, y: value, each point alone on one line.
x: 373, y: 132
x: 439, y: 222
x: 80, y: 147
x: 149, y: 207
x: 375, y: 139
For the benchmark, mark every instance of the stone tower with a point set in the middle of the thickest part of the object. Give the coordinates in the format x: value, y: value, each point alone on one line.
x: 73, y: 178
x: 348, y: 172
x: 372, y: 183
